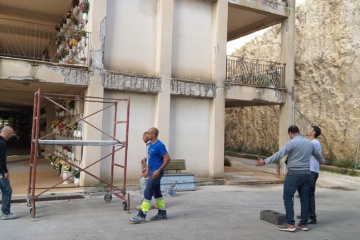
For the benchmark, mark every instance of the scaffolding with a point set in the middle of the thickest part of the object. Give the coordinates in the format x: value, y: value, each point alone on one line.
x: 116, y: 145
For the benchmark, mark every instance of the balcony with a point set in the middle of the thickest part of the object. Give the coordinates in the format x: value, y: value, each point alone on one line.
x: 254, y: 82
x: 255, y: 73
x: 31, y: 41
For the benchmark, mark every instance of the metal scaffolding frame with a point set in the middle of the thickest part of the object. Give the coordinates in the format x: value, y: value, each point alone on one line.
x: 37, y: 142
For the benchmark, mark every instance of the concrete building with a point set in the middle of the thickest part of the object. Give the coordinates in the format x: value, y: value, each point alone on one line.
x: 168, y: 56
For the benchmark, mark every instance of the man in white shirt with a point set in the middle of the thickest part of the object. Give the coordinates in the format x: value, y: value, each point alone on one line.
x: 312, y: 134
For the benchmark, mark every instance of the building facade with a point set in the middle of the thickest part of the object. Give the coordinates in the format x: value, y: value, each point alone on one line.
x: 168, y: 56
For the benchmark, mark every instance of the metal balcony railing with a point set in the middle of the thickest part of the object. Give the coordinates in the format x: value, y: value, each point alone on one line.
x: 255, y: 72
x: 28, y: 40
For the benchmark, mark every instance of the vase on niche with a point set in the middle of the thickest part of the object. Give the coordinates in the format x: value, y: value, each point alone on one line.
x: 76, y: 181
x: 84, y: 16
x: 65, y: 175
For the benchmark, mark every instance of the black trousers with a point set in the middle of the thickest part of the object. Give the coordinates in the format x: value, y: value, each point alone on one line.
x: 313, y: 178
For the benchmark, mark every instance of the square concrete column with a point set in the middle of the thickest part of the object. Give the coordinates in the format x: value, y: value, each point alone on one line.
x: 287, y: 57
x: 95, y: 26
x: 217, y: 115
x: 163, y: 68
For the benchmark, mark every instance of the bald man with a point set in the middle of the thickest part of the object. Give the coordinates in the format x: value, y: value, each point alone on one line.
x: 158, y: 158
x: 6, y: 191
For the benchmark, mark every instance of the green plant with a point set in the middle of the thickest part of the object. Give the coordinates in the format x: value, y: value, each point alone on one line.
x: 227, y: 162
x: 352, y: 172
x: 76, y: 173
x: 85, y: 6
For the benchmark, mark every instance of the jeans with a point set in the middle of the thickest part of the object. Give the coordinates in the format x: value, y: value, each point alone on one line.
x: 313, y: 178
x: 300, y: 183
x: 143, y: 181
x: 6, y: 195
x: 153, y: 187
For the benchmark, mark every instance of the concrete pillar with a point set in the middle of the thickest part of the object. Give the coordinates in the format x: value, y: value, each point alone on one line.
x: 95, y: 24
x: 288, y: 57
x: 217, y: 114
x: 163, y: 68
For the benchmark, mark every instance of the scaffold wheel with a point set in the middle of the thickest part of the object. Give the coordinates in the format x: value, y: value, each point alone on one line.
x: 107, y: 197
x: 33, y: 211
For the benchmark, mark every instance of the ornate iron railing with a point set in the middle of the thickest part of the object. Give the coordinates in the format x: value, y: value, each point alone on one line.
x: 255, y: 72
x: 28, y: 40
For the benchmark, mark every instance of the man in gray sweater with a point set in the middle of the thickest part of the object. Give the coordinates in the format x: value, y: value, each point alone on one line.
x: 298, y: 151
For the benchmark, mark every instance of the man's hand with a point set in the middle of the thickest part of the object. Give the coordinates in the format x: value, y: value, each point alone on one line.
x: 260, y: 162
x: 145, y: 172
x: 7, y: 176
x: 156, y: 174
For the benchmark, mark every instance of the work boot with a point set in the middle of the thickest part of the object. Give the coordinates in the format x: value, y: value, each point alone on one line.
x: 161, y: 215
x: 140, y: 218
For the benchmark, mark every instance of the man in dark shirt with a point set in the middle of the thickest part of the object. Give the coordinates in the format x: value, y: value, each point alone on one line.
x: 5, y: 187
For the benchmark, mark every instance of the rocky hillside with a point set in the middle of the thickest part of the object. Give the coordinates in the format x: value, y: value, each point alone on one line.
x: 327, y: 80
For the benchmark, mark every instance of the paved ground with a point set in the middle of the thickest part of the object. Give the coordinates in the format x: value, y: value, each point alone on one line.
x: 210, y: 212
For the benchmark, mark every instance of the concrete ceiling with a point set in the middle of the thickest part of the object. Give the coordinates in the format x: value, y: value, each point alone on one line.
x: 19, y: 96
x: 244, y: 20
x: 50, y: 11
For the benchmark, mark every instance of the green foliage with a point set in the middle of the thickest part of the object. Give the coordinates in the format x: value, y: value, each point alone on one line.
x: 227, y: 162
x: 352, y: 172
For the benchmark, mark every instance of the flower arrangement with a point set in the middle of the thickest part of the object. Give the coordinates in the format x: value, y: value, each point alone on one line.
x: 70, y: 103
x: 76, y: 173
x: 59, y: 39
x: 85, y: 6
x: 66, y: 167
x: 67, y: 148
x: 72, y: 43
x: 74, y: 3
x: 58, y: 26
x: 63, y: 53
x: 75, y: 22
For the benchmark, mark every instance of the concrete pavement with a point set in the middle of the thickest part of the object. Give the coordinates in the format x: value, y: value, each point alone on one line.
x: 210, y: 212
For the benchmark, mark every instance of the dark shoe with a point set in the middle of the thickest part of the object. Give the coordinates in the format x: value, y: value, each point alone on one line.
x: 138, y: 219
x: 158, y: 217
x: 287, y: 227
x: 312, y: 221
x: 302, y: 227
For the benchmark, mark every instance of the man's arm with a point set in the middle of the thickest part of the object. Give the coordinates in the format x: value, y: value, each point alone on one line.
x: 3, y: 167
x: 167, y: 159
x: 317, y: 155
x: 275, y: 157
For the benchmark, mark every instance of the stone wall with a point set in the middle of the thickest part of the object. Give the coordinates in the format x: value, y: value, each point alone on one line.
x: 327, y: 80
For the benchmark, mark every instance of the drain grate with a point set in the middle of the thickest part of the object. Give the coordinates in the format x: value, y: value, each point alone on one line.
x: 341, y: 188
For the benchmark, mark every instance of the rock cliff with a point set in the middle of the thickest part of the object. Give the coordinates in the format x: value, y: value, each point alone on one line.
x: 327, y: 81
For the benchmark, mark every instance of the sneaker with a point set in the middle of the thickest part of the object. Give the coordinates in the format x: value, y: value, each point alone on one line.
x: 302, y: 227
x: 138, y: 219
x: 9, y: 216
x: 312, y: 221
x: 158, y: 217
x: 287, y: 227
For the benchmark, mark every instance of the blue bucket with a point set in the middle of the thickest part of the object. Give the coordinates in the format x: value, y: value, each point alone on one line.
x: 171, y: 192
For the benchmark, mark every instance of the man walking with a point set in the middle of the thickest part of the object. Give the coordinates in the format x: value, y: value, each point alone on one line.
x: 158, y: 158
x: 298, y: 151
x: 313, y: 133
x: 6, y: 191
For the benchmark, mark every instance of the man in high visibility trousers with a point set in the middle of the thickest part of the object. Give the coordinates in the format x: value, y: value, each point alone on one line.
x: 158, y: 158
